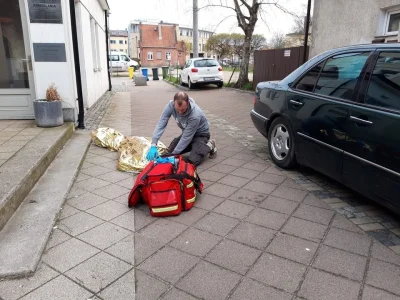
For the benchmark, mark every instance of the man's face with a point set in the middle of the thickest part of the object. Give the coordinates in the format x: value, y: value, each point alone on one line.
x: 182, y: 108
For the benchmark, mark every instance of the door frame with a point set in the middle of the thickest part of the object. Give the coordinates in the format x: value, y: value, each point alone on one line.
x: 14, y: 112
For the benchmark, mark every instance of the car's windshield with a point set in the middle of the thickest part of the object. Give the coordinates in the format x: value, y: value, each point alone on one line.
x: 204, y: 63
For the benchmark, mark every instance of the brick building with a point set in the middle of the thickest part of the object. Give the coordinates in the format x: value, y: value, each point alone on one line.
x: 159, y: 45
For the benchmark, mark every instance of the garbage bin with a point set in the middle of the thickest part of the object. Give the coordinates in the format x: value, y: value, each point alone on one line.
x: 131, y: 70
x: 144, y: 72
x: 155, y: 73
x: 164, y: 72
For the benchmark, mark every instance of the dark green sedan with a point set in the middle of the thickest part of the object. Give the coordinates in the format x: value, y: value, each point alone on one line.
x: 339, y: 114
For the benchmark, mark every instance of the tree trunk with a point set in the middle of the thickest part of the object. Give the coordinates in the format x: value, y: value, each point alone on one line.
x: 244, y: 64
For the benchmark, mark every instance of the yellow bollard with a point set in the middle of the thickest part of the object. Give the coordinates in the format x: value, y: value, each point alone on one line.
x: 131, y: 70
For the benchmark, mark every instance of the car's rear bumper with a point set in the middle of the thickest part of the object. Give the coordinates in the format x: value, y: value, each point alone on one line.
x: 205, y: 79
x: 260, y: 122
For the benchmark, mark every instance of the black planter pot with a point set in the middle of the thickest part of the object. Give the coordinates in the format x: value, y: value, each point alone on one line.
x: 48, y: 113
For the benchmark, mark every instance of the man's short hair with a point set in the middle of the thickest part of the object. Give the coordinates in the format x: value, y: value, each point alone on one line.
x: 180, y: 97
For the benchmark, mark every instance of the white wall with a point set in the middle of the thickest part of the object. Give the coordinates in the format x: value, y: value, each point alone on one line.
x: 60, y: 73
x: 94, y: 82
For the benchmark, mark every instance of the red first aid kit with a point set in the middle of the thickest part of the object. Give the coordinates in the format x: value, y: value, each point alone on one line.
x: 166, y: 188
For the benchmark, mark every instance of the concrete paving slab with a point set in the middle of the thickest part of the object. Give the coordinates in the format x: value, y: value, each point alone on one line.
x: 209, y: 282
x: 319, y: 285
x: 99, y: 271
x: 24, y: 237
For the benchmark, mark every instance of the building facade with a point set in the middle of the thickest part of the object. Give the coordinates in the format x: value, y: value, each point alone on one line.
x: 185, y: 34
x: 341, y: 22
x: 37, y: 49
x: 119, y: 41
x: 159, y: 46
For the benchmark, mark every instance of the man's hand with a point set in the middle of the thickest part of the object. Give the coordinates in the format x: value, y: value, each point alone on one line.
x: 152, y: 154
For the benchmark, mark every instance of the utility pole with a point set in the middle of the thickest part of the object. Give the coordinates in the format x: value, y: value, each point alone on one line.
x: 195, y: 29
x: 307, y: 28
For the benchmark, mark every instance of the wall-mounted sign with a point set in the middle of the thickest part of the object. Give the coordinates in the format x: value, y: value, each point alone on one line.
x: 45, y: 11
x: 287, y: 53
x: 49, y: 52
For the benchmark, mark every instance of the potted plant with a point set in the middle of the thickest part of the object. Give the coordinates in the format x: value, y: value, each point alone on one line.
x: 48, y: 112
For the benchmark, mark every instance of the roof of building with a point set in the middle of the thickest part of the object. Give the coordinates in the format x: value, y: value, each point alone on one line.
x: 118, y: 32
x: 150, y: 36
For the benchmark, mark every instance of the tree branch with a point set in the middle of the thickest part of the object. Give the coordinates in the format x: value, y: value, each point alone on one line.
x: 246, y: 4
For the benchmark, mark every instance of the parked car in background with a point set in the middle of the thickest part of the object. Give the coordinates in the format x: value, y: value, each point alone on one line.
x: 339, y: 114
x: 201, y: 71
x: 121, y: 62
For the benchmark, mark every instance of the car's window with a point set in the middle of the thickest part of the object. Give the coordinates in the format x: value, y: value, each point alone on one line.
x: 114, y: 57
x: 339, y: 76
x: 309, y: 80
x: 384, y: 86
x: 188, y: 63
x: 126, y: 58
x: 205, y: 63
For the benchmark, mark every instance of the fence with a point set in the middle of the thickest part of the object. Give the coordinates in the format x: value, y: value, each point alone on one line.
x: 276, y: 64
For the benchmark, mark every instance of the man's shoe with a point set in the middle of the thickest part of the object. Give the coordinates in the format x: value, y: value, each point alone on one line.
x: 213, y: 152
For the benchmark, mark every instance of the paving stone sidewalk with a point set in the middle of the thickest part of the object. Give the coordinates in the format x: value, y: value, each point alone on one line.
x: 255, y: 233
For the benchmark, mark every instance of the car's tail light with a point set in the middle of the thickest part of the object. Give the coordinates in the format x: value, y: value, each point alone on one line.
x: 194, y: 70
x: 255, y: 100
x: 219, y: 69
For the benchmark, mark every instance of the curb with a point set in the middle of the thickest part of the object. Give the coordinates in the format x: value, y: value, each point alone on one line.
x: 227, y: 88
x: 35, y: 164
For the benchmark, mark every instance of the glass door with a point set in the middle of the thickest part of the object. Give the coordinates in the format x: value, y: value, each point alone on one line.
x: 16, y: 78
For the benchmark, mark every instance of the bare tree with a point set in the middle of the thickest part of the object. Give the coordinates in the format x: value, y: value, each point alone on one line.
x: 277, y: 41
x: 247, y: 14
x: 257, y: 41
x: 220, y: 44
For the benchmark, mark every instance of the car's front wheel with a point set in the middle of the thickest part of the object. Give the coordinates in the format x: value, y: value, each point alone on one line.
x: 281, y: 143
x: 181, y: 81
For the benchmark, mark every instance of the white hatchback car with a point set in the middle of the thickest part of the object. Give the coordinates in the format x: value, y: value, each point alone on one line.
x: 199, y: 71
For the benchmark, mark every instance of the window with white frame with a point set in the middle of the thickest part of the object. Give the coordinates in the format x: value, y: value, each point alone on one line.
x: 167, y: 55
x: 392, y: 24
x: 95, y: 49
x: 149, y: 55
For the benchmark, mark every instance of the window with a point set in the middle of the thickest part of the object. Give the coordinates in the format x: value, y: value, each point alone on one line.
x: 167, y: 55
x: 309, y: 80
x: 121, y: 50
x: 114, y: 57
x: 199, y: 47
x: 126, y: 42
x: 95, y: 43
x: 159, y: 55
x: 339, y: 76
x: 149, y: 55
x: 384, y: 86
x: 113, y: 41
x: 392, y: 22
x: 180, y: 32
x: 121, y: 42
x: 205, y: 63
x: 125, y: 58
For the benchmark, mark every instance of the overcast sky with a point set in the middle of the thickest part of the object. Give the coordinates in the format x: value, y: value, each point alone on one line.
x: 180, y: 12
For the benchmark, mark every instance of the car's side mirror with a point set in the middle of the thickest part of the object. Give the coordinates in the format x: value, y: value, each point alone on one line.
x: 181, y: 68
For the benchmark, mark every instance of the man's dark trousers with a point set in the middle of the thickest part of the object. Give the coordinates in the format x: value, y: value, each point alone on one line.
x: 198, y: 148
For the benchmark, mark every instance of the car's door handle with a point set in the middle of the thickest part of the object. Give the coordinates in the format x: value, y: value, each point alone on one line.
x: 360, y: 121
x: 296, y: 102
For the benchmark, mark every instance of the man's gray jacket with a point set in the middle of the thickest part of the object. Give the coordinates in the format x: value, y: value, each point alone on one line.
x: 193, y: 123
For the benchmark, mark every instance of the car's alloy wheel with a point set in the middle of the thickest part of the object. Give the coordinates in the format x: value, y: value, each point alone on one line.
x: 281, y: 143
